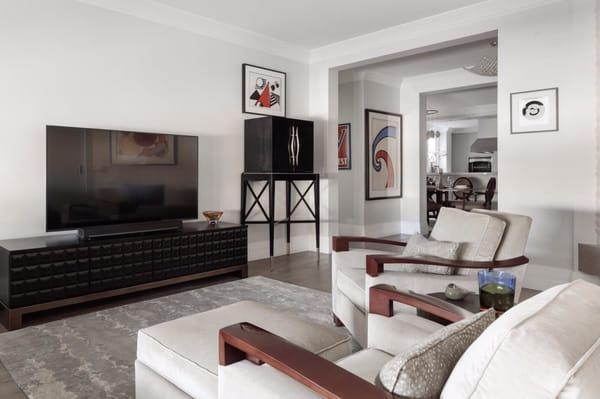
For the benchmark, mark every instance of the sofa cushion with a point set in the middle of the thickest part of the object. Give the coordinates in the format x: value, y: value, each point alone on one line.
x: 351, y: 283
x: 185, y: 351
x: 418, y: 245
x: 479, y: 234
x: 398, y: 333
x: 552, y: 339
x: 365, y: 363
x: 422, y: 370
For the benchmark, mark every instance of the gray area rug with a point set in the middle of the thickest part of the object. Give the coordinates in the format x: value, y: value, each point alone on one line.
x: 92, y: 355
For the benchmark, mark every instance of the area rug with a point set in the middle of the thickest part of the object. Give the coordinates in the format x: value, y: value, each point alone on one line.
x: 92, y: 355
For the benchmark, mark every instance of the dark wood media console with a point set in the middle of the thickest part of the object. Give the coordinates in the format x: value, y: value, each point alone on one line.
x: 41, y: 273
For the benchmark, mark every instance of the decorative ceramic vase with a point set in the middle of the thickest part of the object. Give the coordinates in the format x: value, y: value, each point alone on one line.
x: 455, y: 293
x: 212, y: 217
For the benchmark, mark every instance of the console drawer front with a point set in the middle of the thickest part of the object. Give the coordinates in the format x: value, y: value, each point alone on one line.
x: 43, y: 276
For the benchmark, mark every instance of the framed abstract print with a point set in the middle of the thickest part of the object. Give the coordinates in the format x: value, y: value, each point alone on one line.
x: 344, y: 149
x: 383, y: 157
x: 534, y: 111
x: 263, y: 91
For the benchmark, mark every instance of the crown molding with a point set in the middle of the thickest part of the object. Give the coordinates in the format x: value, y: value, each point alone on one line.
x: 392, y: 38
x: 159, y: 13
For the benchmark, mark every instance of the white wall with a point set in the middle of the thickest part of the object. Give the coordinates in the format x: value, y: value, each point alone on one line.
x: 550, y: 176
x: 358, y: 216
x: 67, y: 63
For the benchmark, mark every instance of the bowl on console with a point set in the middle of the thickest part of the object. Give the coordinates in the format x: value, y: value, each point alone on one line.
x: 213, y: 217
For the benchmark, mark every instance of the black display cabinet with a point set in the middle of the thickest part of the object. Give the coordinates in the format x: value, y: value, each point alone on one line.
x: 278, y: 145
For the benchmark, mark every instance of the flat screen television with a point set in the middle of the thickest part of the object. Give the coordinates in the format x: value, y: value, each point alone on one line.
x: 102, y: 177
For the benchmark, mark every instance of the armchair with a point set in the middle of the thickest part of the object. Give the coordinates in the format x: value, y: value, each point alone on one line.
x: 517, y: 356
x: 299, y: 373
x: 487, y: 240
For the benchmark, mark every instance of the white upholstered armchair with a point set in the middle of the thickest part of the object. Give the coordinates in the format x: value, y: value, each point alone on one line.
x: 488, y: 240
x: 545, y: 347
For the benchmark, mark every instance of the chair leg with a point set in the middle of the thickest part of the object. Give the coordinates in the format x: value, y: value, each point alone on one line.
x: 337, y: 321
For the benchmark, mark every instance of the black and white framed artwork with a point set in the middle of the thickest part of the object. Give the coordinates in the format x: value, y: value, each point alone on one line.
x: 534, y: 111
x: 264, y: 91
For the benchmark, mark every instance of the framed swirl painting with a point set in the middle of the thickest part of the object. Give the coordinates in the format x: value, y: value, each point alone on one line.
x: 383, y: 144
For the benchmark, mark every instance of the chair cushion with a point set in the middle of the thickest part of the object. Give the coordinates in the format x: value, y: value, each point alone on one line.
x: 351, y: 282
x: 553, y: 338
x: 366, y: 363
x: 423, y: 369
x: 185, y: 351
x: 418, y: 245
x: 479, y: 234
x: 398, y: 333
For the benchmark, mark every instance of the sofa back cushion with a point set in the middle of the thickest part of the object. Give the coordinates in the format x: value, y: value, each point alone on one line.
x: 479, y: 234
x: 546, y: 347
x: 516, y: 233
x: 422, y: 370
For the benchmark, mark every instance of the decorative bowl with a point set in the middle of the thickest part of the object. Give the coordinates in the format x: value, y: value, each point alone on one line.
x: 455, y: 292
x: 213, y: 217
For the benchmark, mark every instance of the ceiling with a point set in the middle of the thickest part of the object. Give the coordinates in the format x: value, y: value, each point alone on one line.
x: 430, y: 62
x: 316, y: 23
x: 464, y: 103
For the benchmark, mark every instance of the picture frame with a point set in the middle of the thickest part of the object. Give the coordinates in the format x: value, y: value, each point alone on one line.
x: 534, y: 111
x: 130, y: 148
x: 344, y: 146
x: 383, y: 155
x: 263, y: 91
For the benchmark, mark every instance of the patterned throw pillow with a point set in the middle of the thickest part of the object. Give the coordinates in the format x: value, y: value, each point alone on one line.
x: 422, y: 371
x: 418, y: 245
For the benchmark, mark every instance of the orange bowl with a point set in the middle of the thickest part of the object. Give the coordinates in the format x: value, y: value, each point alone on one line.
x: 213, y: 217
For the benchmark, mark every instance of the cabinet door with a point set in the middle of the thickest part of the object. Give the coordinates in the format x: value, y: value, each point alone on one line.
x: 305, y: 150
x: 282, y: 132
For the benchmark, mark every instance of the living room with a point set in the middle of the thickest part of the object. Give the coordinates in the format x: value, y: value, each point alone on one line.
x: 83, y: 81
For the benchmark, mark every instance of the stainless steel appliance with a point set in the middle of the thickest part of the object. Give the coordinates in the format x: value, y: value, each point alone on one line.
x: 480, y: 164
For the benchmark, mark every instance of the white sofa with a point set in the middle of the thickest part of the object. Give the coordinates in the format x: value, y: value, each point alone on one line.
x: 484, y: 236
x: 179, y: 359
x: 547, y: 347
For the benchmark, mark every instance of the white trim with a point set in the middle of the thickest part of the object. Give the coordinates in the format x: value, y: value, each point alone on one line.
x: 157, y: 12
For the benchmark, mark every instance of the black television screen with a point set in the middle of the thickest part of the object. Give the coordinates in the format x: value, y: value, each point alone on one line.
x: 98, y: 177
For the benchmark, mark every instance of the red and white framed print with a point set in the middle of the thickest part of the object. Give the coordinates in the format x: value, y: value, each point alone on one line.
x: 344, y: 147
x: 263, y: 91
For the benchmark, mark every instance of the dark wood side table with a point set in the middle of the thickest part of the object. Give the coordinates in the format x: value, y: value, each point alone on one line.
x: 469, y: 303
x: 269, y: 217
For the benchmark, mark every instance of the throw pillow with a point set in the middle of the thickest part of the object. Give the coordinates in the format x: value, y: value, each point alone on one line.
x: 418, y: 245
x: 422, y: 370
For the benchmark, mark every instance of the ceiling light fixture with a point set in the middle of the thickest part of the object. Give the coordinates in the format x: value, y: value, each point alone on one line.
x: 432, y: 111
x: 488, y: 65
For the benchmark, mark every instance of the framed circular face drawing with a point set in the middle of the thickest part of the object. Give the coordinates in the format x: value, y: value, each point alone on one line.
x: 534, y: 111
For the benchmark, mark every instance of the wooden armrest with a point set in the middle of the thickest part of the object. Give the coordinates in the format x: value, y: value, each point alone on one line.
x: 342, y: 243
x: 245, y: 341
x: 382, y: 298
x: 375, y: 262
